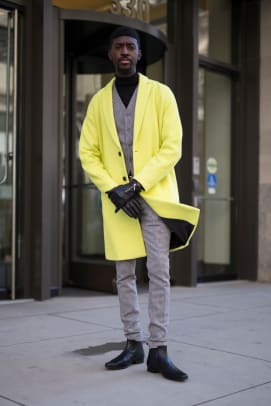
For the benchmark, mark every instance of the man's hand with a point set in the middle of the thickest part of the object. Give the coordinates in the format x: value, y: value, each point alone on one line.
x: 133, y: 208
x: 123, y: 197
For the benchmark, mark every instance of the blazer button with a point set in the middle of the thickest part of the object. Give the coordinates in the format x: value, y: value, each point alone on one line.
x: 119, y: 153
x: 124, y: 178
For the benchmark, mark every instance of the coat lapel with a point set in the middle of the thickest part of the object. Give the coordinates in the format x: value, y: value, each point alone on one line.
x: 109, y: 112
x: 141, y: 101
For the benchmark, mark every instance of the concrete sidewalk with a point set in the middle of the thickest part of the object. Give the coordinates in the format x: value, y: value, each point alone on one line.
x: 52, y: 353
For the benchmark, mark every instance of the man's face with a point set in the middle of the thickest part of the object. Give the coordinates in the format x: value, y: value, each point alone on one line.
x: 124, y: 54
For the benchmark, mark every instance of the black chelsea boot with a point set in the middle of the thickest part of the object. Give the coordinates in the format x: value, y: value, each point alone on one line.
x: 158, y: 361
x: 133, y: 353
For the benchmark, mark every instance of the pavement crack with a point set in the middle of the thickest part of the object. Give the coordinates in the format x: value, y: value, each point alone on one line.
x: 231, y: 394
x: 220, y: 350
x: 46, y: 313
x: 12, y: 401
x: 85, y: 309
x: 198, y: 316
x: 82, y: 321
x: 50, y: 338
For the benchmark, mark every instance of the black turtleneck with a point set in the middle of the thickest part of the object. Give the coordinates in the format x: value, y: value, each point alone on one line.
x: 126, y: 87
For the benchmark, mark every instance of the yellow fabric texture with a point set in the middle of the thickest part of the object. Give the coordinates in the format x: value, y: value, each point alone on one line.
x: 157, y: 148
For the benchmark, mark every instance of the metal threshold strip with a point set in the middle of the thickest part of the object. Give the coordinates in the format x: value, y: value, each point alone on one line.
x: 218, y: 198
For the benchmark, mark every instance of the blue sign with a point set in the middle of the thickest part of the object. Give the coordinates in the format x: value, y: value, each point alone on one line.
x: 211, y: 180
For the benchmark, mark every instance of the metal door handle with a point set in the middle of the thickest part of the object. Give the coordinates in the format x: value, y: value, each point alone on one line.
x: 5, y: 175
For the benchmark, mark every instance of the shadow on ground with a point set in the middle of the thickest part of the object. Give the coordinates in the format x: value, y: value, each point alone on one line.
x: 100, y: 349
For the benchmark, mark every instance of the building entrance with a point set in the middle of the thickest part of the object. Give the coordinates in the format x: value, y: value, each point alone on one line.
x: 86, y: 70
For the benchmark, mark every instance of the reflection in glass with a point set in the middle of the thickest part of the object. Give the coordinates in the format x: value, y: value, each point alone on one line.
x: 86, y: 199
x: 156, y: 71
x: 158, y: 14
x: 215, y: 29
x: 91, y: 229
x: 214, y: 141
x: 6, y: 117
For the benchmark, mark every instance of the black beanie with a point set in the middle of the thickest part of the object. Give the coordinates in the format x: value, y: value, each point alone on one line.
x: 124, y: 32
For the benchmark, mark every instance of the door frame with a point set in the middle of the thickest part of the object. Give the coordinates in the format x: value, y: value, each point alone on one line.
x: 233, y: 74
x: 13, y: 155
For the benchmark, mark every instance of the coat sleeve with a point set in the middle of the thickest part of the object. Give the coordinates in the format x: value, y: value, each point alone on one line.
x: 90, y: 150
x: 170, y: 149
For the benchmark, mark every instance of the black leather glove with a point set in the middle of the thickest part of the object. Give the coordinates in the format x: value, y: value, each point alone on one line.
x: 122, y: 194
x: 133, y: 208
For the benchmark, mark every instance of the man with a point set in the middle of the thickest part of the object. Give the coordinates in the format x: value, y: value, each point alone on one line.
x: 130, y: 142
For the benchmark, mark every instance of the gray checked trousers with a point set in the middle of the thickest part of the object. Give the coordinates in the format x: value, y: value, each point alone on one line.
x: 157, y: 239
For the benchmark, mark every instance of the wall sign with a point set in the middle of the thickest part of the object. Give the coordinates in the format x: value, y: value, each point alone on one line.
x: 139, y: 9
x: 211, y: 182
x: 211, y: 165
x: 196, y: 165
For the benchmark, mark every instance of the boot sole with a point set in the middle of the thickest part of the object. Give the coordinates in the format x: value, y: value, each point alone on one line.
x: 155, y: 371
x: 117, y: 368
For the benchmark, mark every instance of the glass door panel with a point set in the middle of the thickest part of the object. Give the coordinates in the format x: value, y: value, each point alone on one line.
x: 212, y: 176
x: 86, y: 227
x: 8, y: 21
x: 214, y: 19
x: 84, y: 259
x: 86, y: 197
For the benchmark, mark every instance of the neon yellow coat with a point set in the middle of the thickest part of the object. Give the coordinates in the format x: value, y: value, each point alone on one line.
x: 156, y: 150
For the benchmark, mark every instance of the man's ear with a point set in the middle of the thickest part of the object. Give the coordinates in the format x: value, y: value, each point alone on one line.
x: 139, y: 55
x: 109, y: 55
